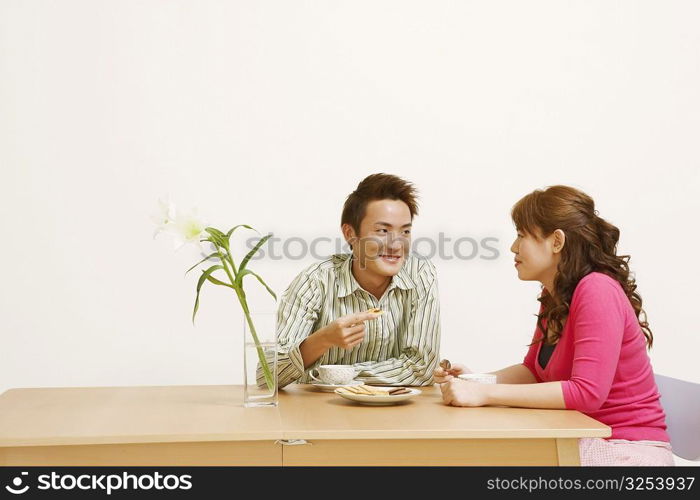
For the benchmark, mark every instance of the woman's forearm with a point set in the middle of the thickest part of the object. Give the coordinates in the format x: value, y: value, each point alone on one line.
x: 516, y: 374
x: 547, y: 395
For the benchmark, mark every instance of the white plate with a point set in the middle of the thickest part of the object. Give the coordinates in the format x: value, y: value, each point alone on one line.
x: 333, y: 387
x: 379, y: 400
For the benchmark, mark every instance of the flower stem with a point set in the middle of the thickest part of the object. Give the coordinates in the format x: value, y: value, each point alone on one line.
x: 261, y: 354
x: 246, y: 311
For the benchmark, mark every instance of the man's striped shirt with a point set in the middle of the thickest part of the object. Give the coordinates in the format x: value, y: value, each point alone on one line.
x: 401, y: 347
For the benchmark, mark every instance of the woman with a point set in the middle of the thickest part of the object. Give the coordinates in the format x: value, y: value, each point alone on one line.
x: 589, y: 348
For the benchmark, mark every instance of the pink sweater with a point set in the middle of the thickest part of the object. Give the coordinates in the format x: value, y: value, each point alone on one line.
x: 602, y: 362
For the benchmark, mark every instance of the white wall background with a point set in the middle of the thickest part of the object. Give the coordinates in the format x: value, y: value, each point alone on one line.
x: 270, y: 112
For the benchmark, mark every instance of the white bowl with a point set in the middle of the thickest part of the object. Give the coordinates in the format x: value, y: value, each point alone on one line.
x: 481, y: 378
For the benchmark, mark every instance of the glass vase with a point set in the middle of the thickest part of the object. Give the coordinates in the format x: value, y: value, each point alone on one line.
x: 260, y: 360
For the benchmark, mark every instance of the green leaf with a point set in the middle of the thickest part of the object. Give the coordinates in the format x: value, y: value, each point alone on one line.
x: 214, y: 231
x: 241, y: 274
x: 213, y: 241
x: 228, y: 235
x: 220, y: 242
x: 253, y: 251
x: 217, y: 237
x: 215, y: 254
x: 204, y: 277
x: 219, y: 282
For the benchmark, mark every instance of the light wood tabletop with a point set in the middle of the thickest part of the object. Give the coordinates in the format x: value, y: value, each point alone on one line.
x: 207, y: 425
x: 308, y: 414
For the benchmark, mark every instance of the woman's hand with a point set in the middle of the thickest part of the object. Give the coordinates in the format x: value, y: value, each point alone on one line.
x: 457, y: 392
x: 440, y: 375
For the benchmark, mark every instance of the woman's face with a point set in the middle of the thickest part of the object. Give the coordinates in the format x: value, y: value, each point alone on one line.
x: 537, y: 257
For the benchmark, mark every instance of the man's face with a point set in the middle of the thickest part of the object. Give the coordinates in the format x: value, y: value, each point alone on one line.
x: 384, y: 240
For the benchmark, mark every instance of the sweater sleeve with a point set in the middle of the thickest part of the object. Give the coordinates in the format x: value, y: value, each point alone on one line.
x: 598, y: 325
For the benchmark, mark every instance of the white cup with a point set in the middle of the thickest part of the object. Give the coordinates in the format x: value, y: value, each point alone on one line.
x: 333, y: 374
x: 480, y: 378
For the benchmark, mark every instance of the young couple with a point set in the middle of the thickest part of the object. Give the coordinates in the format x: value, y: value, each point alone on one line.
x: 588, y: 352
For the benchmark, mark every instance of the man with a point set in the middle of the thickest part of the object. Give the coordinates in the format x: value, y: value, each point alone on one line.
x: 323, y: 316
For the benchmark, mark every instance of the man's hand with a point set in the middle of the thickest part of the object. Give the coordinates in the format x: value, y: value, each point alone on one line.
x: 347, y: 331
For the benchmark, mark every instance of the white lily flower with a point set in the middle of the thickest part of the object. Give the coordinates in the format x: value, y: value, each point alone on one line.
x: 184, y: 227
x: 188, y: 228
x: 164, y: 217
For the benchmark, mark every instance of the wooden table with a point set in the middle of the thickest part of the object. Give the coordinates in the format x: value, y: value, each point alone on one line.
x: 207, y: 425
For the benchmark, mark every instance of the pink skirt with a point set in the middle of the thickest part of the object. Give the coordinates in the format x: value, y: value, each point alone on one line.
x: 597, y: 451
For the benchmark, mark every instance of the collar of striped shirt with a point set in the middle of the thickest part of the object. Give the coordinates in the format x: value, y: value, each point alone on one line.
x: 347, y: 283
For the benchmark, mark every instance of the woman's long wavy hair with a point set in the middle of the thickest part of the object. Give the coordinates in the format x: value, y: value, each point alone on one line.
x: 590, y: 245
